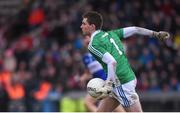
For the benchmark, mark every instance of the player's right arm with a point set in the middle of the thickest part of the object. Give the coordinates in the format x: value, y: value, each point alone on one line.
x: 129, y: 31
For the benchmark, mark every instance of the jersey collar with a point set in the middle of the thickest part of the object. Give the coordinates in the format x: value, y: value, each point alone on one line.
x: 94, y: 33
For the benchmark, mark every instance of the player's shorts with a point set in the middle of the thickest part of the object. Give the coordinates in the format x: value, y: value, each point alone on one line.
x: 126, y: 93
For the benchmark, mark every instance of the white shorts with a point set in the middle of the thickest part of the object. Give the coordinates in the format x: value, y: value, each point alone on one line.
x: 126, y: 93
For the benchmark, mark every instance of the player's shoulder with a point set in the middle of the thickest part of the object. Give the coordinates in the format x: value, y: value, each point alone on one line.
x: 117, y: 33
x: 96, y: 39
x: 100, y: 36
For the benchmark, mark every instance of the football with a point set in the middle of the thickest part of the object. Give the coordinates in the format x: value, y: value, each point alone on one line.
x: 93, y: 85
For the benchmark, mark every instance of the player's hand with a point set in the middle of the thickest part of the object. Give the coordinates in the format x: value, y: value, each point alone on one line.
x: 161, y: 35
x: 105, y: 90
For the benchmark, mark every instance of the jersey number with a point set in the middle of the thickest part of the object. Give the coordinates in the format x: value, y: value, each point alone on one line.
x: 117, y: 48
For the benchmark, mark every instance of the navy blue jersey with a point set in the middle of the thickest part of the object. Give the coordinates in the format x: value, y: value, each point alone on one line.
x: 94, y: 66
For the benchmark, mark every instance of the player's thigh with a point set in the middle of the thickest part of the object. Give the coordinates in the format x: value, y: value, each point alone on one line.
x: 128, y: 97
x: 108, y: 104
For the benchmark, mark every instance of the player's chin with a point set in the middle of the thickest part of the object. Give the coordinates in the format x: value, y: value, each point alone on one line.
x: 85, y: 33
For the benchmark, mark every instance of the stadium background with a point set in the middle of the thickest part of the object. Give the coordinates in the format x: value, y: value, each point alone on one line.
x: 41, y: 49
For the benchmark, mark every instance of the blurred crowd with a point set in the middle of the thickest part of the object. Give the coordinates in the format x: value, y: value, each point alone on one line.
x: 41, y: 48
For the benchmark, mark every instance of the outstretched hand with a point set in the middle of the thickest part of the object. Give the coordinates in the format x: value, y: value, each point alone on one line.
x: 161, y: 35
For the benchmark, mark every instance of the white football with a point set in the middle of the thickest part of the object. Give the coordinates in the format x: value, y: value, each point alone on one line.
x: 93, y: 85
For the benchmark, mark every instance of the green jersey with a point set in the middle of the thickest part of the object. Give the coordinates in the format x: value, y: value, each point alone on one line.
x: 102, y: 42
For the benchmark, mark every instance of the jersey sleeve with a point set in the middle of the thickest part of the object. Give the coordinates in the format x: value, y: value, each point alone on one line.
x: 118, y: 32
x: 85, y: 60
x: 97, y: 47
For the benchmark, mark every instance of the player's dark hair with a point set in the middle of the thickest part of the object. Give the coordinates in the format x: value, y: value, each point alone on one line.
x: 94, y: 18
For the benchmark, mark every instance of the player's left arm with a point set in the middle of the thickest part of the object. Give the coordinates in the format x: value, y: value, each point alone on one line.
x: 129, y: 31
x: 99, y: 50
x: 111, y: 65
x: 98, y: 47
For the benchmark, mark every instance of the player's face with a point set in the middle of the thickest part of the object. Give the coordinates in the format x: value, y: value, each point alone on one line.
x: 86, y: 27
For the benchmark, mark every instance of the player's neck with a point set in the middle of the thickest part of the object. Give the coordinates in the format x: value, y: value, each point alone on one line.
x: 94, y: 33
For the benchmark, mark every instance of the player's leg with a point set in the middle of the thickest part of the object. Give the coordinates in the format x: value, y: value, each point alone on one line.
x: 119, y: 109
x: 107, y: 104
x: 91, y: 106
x: 90, y: 103
x: 128, y: 97
x: 136, y: 107
x: 132, y: 97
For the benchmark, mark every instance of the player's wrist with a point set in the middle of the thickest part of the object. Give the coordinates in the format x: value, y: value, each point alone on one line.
x: 155, y: 34
x: 109, y: 82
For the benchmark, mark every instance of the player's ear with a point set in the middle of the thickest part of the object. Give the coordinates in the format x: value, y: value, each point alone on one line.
x: 93, y: 27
